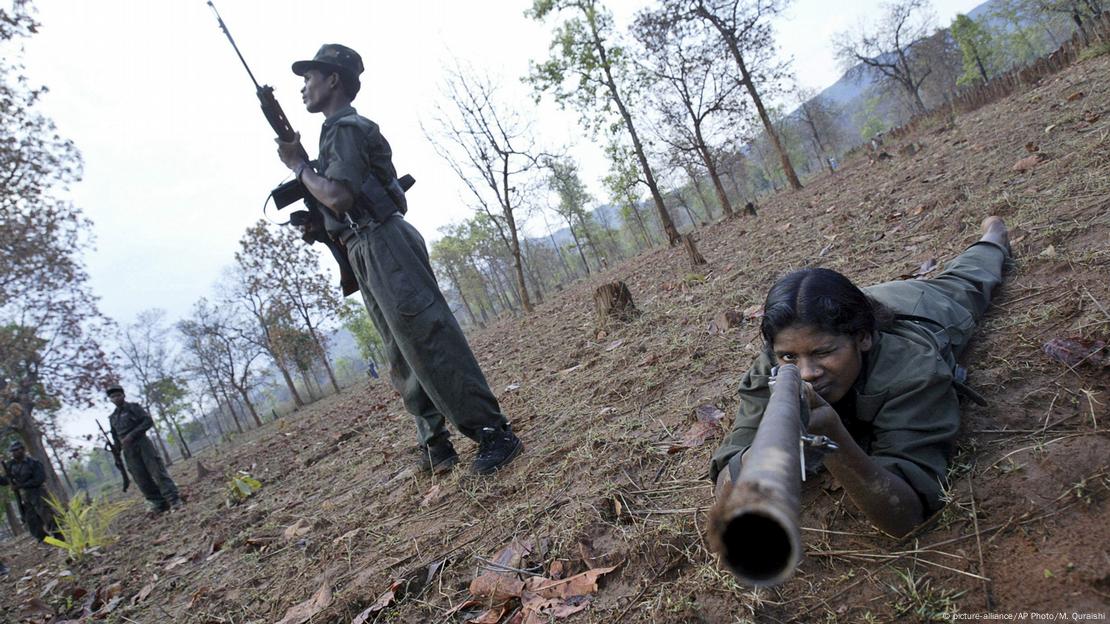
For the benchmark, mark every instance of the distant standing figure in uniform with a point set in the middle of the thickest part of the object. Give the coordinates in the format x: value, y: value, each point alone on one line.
x: 881, y: 364
x: 27, y: 477
x: 129, y: 424
x: 431, y: 363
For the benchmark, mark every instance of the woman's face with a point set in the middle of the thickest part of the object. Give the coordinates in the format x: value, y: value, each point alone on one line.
x: 830, y: 362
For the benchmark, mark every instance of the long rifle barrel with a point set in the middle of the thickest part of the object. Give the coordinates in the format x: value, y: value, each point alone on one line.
x: 228, y: 33
x: 754, y: 527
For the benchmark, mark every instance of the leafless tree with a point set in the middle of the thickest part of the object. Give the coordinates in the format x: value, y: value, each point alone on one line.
x: 887, y: 49
x: 744, y: 28
x: 215, y: 337
x: 820, y: 120
x: 146, y: 347
x: 491, y: 148
x: 290, y: 272
x: 696, y: 97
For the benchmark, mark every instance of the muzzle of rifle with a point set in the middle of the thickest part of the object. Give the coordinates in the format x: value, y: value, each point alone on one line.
x: 754, y: 527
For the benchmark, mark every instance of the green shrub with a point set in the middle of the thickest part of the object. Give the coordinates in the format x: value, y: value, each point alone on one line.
x: 240, y: 487
x: 83, y: 524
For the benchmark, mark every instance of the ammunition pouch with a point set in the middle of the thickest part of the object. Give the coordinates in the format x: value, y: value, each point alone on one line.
x: 374, y: 204
x: 377, y: 201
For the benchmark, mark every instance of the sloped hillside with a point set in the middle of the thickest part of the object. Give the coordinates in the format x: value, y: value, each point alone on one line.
x: 341, y: 530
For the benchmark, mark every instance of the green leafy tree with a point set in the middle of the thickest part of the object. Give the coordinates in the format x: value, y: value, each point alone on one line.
x: 870, y: 120
x: 357, y: 321
x: 573, y: 197
x: 451, y: 257
x: 51, y: 329
x: 622, y: 183
x: 586, y: 70
x: 976, y: 47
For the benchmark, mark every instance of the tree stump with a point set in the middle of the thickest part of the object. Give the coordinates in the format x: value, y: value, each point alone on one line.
x: 613, y: 301
x: 692, y: 250
x: 203, y: 472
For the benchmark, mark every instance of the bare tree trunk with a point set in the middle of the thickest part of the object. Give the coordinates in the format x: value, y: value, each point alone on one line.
x: 491, y: 303
x: 696, y: 258
x: 559, y: 253
x: 649, y: 177
x: 181, y: 443
x: 61, y: 466
x: 711, y: 168
x: 701, y: 196
x: 578, y: 245
x: 162, y: 443
x: 13, y: 517
x: 505, y: 284
x: 510, y: 283
x: 749, y: 84
x: 250, y: 406
x: 231, y: 409
x: 514, y: 247
x: 590, y: 242
x: 686, y: 207
x: 648, y: 241
x: 454, y: 277
x: 32, y: 438
x: 327, y: 366
x: 715, y: 178
x: 297, y: 400
x: 534, y: 275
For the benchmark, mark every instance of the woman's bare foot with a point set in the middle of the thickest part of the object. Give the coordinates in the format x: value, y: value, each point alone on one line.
x: 994, y: 231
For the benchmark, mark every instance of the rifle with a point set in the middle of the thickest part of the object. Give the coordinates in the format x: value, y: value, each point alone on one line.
x: 289, y: 192
x: 114, y: 449
x: 754, y: 526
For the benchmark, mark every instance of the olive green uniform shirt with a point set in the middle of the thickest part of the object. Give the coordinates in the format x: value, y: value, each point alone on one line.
x: 906, y: 414
x: 352, y: 148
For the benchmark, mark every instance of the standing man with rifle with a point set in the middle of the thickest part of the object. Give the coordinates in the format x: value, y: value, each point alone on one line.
x: 362, y: 202
x: 129, y: 424
x: 114, y: 449
x: 27, y: 477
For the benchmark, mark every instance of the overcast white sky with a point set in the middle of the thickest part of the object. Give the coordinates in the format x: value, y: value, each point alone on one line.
x: 178, y: 158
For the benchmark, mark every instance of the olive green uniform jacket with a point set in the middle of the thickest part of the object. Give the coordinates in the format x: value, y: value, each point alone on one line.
x: 27, y: 480
x: 431, y: 363
x: 143, y: 461
x: 906, y: 413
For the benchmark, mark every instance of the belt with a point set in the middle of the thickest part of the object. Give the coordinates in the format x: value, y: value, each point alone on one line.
x: 354, y: 226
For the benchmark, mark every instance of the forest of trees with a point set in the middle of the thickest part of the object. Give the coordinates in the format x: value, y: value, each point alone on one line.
x: 695, y: 107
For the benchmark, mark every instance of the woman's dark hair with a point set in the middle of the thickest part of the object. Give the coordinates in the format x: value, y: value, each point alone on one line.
x: 821, y: 298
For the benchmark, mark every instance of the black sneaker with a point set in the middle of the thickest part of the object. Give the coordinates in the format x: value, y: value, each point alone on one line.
x: 437, y: 457
x: 496, y: 448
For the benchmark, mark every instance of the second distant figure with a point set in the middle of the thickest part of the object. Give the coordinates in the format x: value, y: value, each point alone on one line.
x: 129, y: 424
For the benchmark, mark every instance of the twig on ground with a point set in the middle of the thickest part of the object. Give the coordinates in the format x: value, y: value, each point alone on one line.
x: 978, y: 539
x: 1096, y: 302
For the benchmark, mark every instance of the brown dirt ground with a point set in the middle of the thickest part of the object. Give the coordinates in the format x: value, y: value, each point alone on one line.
x: 1025, y: 530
